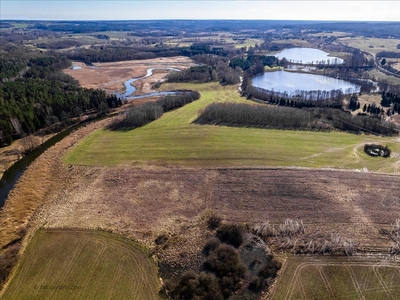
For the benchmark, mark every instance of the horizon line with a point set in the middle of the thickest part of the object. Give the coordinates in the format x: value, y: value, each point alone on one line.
x: 119, y: 20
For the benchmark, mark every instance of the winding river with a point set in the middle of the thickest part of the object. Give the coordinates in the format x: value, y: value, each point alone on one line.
x: 130, y: 89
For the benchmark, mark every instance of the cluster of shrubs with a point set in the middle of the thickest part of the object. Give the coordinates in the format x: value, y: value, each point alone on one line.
x: 141, y: 115
x: 223, y: 271
x: 377, y: 150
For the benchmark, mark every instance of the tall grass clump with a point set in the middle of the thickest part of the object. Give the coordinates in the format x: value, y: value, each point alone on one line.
x: 289, y: 228
x: 395, y: 237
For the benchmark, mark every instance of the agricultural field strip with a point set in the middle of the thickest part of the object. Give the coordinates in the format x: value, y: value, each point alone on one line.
x: 88, y: 237
x: 208, y: 135
x: 374, y: 266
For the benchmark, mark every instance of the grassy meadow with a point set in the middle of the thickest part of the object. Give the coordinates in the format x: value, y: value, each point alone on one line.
x: 338, y: 278
x: 173, y: 140
x: 373, y: 45
x: 79, y: 264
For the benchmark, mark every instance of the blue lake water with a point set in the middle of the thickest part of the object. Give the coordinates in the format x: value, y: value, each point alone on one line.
x: 290, y: 82
x: 308, y: 56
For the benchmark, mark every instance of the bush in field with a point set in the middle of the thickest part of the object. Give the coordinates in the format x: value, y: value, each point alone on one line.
x: 270, y: 269
x: 377, y: 150
x: 213, y: 222
x: 231, y: 234
x: 227, y: 266
x: 211, y: 245
x: 197, y: 286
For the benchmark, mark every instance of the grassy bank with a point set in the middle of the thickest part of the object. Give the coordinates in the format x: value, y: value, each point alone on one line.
x: 174, y: 140
x: 75, y: 264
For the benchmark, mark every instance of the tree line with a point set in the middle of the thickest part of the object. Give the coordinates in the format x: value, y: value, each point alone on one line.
x: 301, y: 98
x: 392, y: 101
x: 141, y: 115
x: 212, y: 68
x: 320, y: 119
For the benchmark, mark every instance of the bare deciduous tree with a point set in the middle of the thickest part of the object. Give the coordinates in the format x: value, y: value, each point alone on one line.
x: 30, y: 143
x: 17, y: 125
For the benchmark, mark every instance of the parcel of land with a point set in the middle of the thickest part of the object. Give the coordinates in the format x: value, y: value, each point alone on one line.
x: 143, y: 206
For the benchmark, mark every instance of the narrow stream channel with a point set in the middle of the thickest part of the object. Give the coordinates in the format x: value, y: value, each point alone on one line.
x: 130, y: 89
x: 11, y: 176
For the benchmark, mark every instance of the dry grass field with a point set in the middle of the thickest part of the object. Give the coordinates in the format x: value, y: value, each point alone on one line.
x: 367, y: 277
x: 143, y: 202
x: 111, y: 76
x: 79, y: 264
x: 373, y: 45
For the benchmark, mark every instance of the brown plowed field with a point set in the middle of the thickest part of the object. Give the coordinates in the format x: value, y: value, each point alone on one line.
x: 145, y: 202
x: 142, y: 202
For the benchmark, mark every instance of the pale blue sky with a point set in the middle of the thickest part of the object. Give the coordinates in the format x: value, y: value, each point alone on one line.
x: 238, y: 9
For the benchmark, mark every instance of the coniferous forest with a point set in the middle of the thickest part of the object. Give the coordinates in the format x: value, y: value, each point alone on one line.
x: 34, y: 93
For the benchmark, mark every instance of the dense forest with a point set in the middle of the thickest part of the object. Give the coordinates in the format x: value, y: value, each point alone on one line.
x: 34, y: 93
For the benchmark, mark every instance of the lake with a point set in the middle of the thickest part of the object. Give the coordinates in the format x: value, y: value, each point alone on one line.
x: 308, y: 56
x: 290, y: 82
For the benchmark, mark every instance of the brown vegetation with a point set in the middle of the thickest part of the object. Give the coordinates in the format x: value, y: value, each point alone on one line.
x: 111, y: 76
x: 145, y: 202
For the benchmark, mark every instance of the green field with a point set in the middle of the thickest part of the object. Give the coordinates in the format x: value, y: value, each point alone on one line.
x: 174, y: 140
x: 373, y: 45
x: 249, y: 43
x: 81, y: 264
x: 338, y: 278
